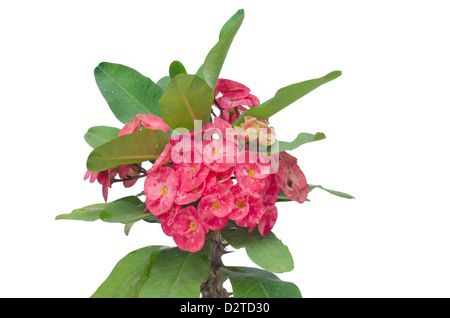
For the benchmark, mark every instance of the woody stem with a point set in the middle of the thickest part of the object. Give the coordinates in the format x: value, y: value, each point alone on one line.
x: 213, y: 287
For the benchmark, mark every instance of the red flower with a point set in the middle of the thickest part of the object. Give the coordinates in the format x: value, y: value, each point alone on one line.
x: 291, y: 179
x: 160, y: 188
x: 188, y: 230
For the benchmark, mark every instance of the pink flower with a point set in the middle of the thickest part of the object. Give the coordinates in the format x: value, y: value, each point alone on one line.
x: 167, y: 219
x: 144, y: 120
x: 268, y: 219
x: 234, y: 94
x: 271, y: 194
x: 255, y: 212
x: 191, y: 175
x: 129, y: 171
x: 225, y: 86
x: 219, y: 154
x: 237, y: 98
x: 241, y: 204
x: 132, y: 127
x: 291, y: 179
x: 105, y: 178
x: 215, y: 205
x: 251, y: 175
x: 153, y: 122
x: 188, y: 196
x: 163, y: 159
x: 161, y: 188
x: 188, y: 230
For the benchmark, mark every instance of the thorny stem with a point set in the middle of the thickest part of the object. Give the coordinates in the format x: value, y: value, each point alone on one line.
x: 213, y: 287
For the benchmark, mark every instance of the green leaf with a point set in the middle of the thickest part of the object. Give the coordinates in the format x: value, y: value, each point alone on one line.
x: 250, y: 282
x: 128, y: 149
x: 186, y: 98
x: 88, y: 213
x: 283, y: 198
x: 163, y: 82
x: 216, y: 57
x: 127, y: 91
x: 337, y: 193
x: 98, y: 135
x: 301, y: 139
x: 266, y: 251
x: 176, y: 68
x: 286, y: 96
x: 126, y: 210
x: 129, y: 274
x: 177, y: 274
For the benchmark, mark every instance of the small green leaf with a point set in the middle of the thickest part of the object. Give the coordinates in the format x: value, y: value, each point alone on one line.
x: 129, y: 274
x: 128, y: 149
x: 127, y: 91
x: 216, y: 57
x: 176, y: 274
x: 88, y: 213
x: 176, y: 68
x: 98, y: 135
x: 301, y: 139
x: 266, y: 251
x: 126, y: 210
x: 250, y: 282
x: 334, y: 192
x: 286, y: 96
x: 186, y: 98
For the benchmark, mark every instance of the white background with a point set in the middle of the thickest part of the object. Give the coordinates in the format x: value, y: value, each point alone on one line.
x: 386, y: 121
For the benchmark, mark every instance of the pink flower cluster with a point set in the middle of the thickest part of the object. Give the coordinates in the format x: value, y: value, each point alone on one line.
x: 204, y: 178
x: 199, y: 183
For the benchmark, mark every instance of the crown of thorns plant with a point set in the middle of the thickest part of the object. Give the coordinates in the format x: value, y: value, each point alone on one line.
x: 214, y: 171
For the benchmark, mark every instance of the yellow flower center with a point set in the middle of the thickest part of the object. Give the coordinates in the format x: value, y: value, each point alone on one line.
x: 195, y: 190
x: 164, y: 191
x: 215, y: 205
x: 240, y: 204
x: 192, y: 169
x: 192, y: 226
x: 251, y: 173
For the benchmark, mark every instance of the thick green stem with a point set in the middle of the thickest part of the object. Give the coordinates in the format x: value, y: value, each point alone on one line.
x: 213, y: 287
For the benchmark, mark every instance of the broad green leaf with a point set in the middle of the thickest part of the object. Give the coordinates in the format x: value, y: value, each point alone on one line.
x: 163, y: 82
x: 98, y: 135
x: 126, y: 210
x: 176, y: 274
x: 301, y: 139
x: 250, y: 282
x: 266, y: 251
x: 186, y: 98
x: 286, y: 96
x: 216, y: 57
x: 337, y: 193
x: 176, y: 68
x: 128, y: 149
x: 129, y: 274
x: 127, y: 91
x: 88, y: 213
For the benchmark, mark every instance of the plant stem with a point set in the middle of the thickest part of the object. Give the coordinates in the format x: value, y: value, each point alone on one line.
x: 213, y: 287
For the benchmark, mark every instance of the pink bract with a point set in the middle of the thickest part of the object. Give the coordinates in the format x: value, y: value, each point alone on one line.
x: 188, y: 230
x: 268, y: 220
x: 292, y: 181
x: 161, y: 188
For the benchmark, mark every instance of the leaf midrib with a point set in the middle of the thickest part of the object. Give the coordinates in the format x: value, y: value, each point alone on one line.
x: 145, y: 109
x: 188, y: 105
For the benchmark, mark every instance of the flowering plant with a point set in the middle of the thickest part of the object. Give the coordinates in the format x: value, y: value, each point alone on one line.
x: 215, y: 174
